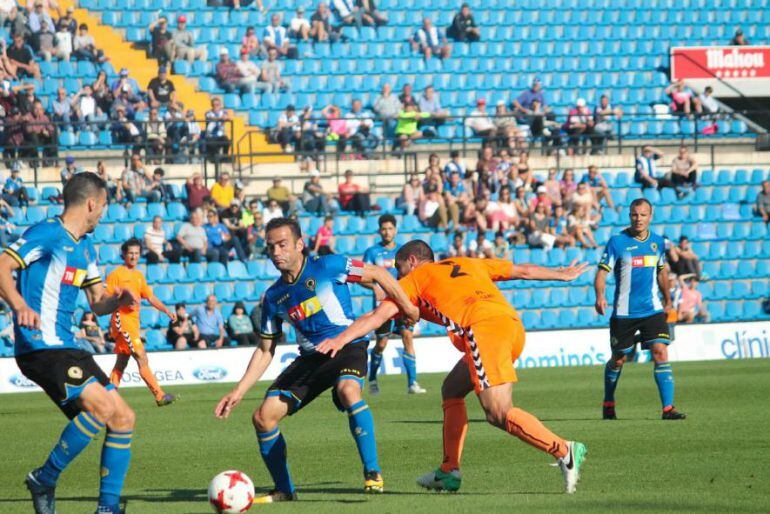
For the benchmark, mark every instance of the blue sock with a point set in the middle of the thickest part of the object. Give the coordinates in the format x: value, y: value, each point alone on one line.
x: 116, y: 457
x: 362, y: 429
x: 272, y: 446
x: 374, y: 365
x: 76, y: 435
x: 410, y: 365
x: 664, y: 377
x: 611, y: 377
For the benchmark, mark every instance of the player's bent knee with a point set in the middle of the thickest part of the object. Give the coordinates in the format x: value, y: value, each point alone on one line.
x: 124, y: 418
x: 497, y: 416
x: 349, y: 392
x: 261, y: 422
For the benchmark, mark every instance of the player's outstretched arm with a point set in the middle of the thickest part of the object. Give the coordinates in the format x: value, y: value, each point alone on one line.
x: 600, y: 287
x: 534, y: 272
x: 102, y: 304
x: 259, y: 362
x: 155, y: 302
x: 360, y: 327
x: 383, y: 278
x: 25, y: 316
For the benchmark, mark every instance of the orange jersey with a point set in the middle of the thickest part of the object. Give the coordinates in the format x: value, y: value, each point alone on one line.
x: 133, y: 280
x: 462, y: 289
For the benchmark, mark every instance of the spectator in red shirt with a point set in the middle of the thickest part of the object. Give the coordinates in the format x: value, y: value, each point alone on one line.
x: 196, y: 191
x: 541, y: 198
x: 353, y: 197
x: 323, y: 243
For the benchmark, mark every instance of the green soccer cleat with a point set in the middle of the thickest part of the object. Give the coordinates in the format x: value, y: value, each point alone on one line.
x: 440, y: 481
x: 373, y: 482
x: 276, y: 496
x: 167, y: 399
x: 673, y: 414
x: 570, y: 468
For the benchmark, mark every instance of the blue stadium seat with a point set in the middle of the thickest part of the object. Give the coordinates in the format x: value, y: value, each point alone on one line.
x: 183, y: 293
x: 223, y: 291
x: 567, y: 318
x: 558, y: 297
x: 236, y: 270
x: 175, y: 273
x: 752, y: 310
x: 530, y: 319
x: 103, y: 233
x: 195, y: 272
x: 164, y: 293
x: 549, y: 318
x: 216, y: 271
x: 716, y: 310
x: 243, y: 291
x: 155, y: 340
x: 123, y: 233
x: 155, y: 273
x: 741, y: 290
x: 176, y: 211
x: 149, y: 318
x: 200, y: 292
x: 108, y: 254
x: 116, y: 213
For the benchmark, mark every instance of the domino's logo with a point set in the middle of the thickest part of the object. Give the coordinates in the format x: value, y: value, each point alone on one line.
x: 210, y: 373
x: 21, y: 381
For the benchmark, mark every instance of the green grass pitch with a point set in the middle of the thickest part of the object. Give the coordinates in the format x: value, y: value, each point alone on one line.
x: 716, y: 460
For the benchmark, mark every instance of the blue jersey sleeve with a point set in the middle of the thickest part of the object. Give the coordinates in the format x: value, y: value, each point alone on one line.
x: 32, y: 245
x: 270, y: 324
x: 607, y: 262
x: 93, y: 275
x: 342, y: 269
x: 368, y: 256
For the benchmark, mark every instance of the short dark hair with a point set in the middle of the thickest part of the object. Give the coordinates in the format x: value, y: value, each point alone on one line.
x: 81, y: 187
x: 277, y: 223
x: 130, y: 243
x: 387, y: 218
x: 180, y: 305
x: 454, y: 153
x: 640, y: 201
x: 683, y: 238
x: 418, y: 248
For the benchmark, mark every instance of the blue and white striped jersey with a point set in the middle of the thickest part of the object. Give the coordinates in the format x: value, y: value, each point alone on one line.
x: 317, y: 303
x: 54, y: 267
x: 635, y: 264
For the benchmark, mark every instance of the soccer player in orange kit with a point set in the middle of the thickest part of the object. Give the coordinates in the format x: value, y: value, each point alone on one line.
x: 460, y: 294
x: 124, y: 324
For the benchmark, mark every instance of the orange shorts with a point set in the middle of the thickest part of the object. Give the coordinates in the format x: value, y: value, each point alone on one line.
x: 126, y: 345
x: 491, y: 348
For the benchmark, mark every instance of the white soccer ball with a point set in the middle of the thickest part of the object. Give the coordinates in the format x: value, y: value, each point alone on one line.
x: 231, y: 492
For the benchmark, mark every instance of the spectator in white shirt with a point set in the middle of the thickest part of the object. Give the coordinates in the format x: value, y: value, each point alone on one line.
x: 429, y: 102
x: 192, y: 134
x: 299, y: 26
x: 6, y: 6
x: 708, y: 102
x: 360, y: 125
x: 84, y: 105
x: 429, y: 42
x: 38, y: 16
x: 605, y: 121
x: 272, y: 210
x: 351, y: 14
x: 63, y: 42
x: 479, y: 121
x: 288, y: 129
x: 158, y: 247
x: 276, y: 36
x: 251, y: 75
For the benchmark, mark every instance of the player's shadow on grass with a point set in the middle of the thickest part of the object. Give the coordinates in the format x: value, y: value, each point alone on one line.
x: 430, y: 421
x: 339, y: 488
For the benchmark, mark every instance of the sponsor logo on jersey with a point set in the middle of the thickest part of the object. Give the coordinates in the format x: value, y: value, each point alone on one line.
x: 75, y: 372
x: 305, y: 309
x: 21, y: 381
x: 73, y: 276
x: 310, y: 284
x: 68, y: 248
x: 654, y: 247
x: 210, y: 373
x: 644, y: 261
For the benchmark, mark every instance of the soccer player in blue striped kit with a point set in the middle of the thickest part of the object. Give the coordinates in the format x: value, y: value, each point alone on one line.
x: 636, y: 257
x: 54, y: 260
x: 313, y: 295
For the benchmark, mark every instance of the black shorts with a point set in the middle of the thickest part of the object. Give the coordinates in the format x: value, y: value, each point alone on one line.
x: 391, y: 327
x: 62, y: 374
x: 310, y: 375
x: 652, y: 329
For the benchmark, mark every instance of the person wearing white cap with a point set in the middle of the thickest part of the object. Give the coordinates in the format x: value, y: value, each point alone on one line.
x: 579, y: 126
x: 299, y: 26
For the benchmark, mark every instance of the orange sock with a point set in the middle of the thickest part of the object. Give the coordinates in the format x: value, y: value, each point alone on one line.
x: 115, y: 377
x: 149, y: 378
x: 529, y: 429
x: 455, y: 429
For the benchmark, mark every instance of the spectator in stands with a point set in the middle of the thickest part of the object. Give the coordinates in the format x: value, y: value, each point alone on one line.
x: 183, y: 333
x: 434, y: 169
x: 487, y: 162
x: 387, y: 106
x: 538, y: 233
x: 158, y: 247
x: 579, y: 127
x: 560, y: 229
x: 552, y: 187
x: 240, y: 327
x: 429, y: 42
x: 605, y: 122
x: 501, y: 249
x: 463, y: 27
x: 234, y: 219
x: 683, y: 101
x: 271, y: 72
x: 580, y: 226
x: 250, y: 76
x: 220, y: 241
x: 321, y: 28
x: 271, y: 211
x: 114, y: 189
x: 430, y: 103
x: 526, y: 107
x: 61, y: 108
x: 584, y: 197
x: 196, y: 191
x: 21, y: 57
x: 161, y: 90
x: 481, y: 247
x: 507, y: 130
x: 568, y: 187
x: 299, y: 26
x: 44, y: 42
x: 708, y: 102
x: 63, y: 40
x: 336, y: 126
x: 691, y: 308
x: 287, y: 132
x: 227, y: 73
x: 255, y: 236
x: 210, y: 323
x: 353, y: 197
x: 406, y: 97
x: 69, y: 170
x: 223, y: 191
x: 505, y: 217
x: 123, y: 129
x: 281, y: 195
x: 360, y: 130
x: 131, y: 87
x: 479, y: 121
x: 432, y: 209
x: 13, y: 134
x: 250, y: 43
x: 684, y: 169
x: 350, y: 13
x: 90, y: 336
x: 176, y: 128
x: 161, y: 41
x: 137, y: 182
x: 101, y: 91
x: 68, y: 22
x: 323, y: 242
x: 14, y: 192
x: 275, y: 37
x: 646, y: 168
x: 541, y: 197
x: 184, y: 43
x: 458, y: 248
x: 84, y: 47
x: 40, y: 132
x: 39, y: 18
x: 315, y: 199
x: 217, y: 124
x: 191, y: 136
x: 86, y: 110
x: 7, y: 8
x: 370, y: 8
x: 192, y: 241
x: 762, y: 204
x: 156, y: 142
x: 26, y: 101
x: 598, y: 185
x: 455, y: 165
x: 406, y: 128
x: 411, y: 193
x: 683, y: 260
x: 739, y: 39
x: 456, y: 198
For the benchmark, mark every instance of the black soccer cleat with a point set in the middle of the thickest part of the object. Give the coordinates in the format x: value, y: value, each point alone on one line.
x: 673, y: 414
x: 608, y: 410
x: 43, y: 496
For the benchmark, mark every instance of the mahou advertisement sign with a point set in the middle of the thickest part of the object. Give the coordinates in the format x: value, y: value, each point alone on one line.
x: 724, y: 62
